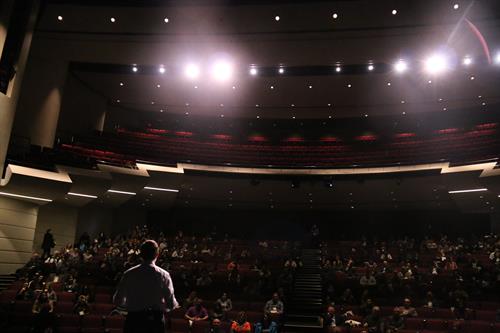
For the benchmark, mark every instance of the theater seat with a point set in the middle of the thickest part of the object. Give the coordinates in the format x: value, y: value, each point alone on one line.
x: 435, y: 325
x: 103, y: 298
x: 200, y: 326
x: 103, y: 309
x: 178, y: 325
x: 68, y: 323
x: 413, y: 323
x: 114, y: 324
x: 476, y: 326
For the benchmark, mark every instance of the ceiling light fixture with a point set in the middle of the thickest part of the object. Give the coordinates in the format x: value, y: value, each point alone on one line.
x: 192, y: 71
x: 338, y: 69
x: 253, y: 71
x: 400, y: 66
x: 276, y: 18
x: 113, y: 20
x: 25, y: 197
x: 134, y: 69
x: 436, y: 64
x: 161, y: 69
x: 82, y: 195
x: 165, y: 20
x: 468, y: 191
x: 467, y: 61
x: 122, y: 192
x: 222, y: 70
x: 335, y: 16
x: 59, y: 18
x: 160, y: 189
x: 281, y: 70
x: 394, y: 12
x: 371, y: 67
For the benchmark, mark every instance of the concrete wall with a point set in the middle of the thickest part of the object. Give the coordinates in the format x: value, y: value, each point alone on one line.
x: 18, y: 221
x: 61, y: 219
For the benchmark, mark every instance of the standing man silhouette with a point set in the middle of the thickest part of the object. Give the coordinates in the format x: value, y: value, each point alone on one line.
x: 146, y: 292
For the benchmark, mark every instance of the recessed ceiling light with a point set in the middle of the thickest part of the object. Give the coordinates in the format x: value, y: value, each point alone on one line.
x: 456, y: 6
x: 281, y: 70
x: 234, y: 87
x: 338, y: 69
x: 257, y: 105
x: 222, y: 70
x: 403, y: 102
x: 430, y: 81
x: 444, y: 109
x: 483, y: 104
x: 117, y: 101
x: 165, y: 20
x: 222, y: 116
x: 121, y: 192
x: 293, y: 117
x: 152, y: 102
x: 292, y: 105
x: 24, y: 197
x: 187, y: 113
x: 404, y: 113
x: 272, y: 87
x: 82, y: 195
x: 158, y: 86
x: 329, y: 104
x: 366, y: 116
x: 440, y: 99
x: 276, y: 18
x: 479, y: 96
x: 497, y: 58
x: 221, y: 105
x: 113, y: 20
x: 468, y: 191
x: 161, y: 69
x: 187, y: 104
x: 121, y: 84
x: 161, y: 110
x: 394, y: 12
x: 472, y: 78
x: 370, y: 67
x: 335, y: 16
x: 258, y: 117
x: 388, y: 83
x: 349, y: 85
x: 253, y: 71
x: 310, y: 87
x: 59, y: 18
x: 134, y: 69
x: 195, y: 87
x: 329, y: 117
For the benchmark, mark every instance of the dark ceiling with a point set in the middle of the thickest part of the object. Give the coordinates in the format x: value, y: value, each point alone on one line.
x: 307, y: 41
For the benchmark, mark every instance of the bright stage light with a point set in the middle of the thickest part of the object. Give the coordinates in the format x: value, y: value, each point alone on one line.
x: 497, y: 58
x: 192, y: 71
x: 253, y: 71
x: 222, y: 70
x: 400, y: 66
x: 467, y: 61
x: 436, y: 64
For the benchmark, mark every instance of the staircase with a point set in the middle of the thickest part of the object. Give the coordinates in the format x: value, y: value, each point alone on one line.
x: 6, y: 281
x: 305, y: 305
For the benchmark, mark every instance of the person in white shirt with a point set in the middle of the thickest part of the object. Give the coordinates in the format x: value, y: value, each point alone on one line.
x: 146, y: 292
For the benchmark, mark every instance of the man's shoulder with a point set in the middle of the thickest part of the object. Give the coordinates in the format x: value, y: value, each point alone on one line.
x: 132, y: 270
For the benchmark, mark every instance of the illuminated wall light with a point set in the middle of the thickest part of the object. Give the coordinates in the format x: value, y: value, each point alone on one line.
x: 468, y: 191
x: 13, y: 195
x: 400, y: 66
x: 122, y: 192
x: 253, y: 71
x: 222, y: 70
x: 82, y: 195
x: 192, y: 71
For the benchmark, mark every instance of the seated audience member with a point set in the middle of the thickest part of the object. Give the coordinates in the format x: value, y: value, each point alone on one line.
x: 241, y: 325
x: 373, y: 322
x: 217, y: 312
x: 273, y: 309
x: 347, y: 297
x: 225, y: 303
x: 332, y: 322
x: 25, y: 293
x: 43, y: 311
x: 430, y: 300
x: 407, y: 310
x: 367, y: 280
x: 366, y: 307
x: 215, y: 327
x: 82, y: 306
x: 51, y: 294
x: 70, y: 284
x: 394, y: 323
x: 190, y: 300
x: 197, y: 312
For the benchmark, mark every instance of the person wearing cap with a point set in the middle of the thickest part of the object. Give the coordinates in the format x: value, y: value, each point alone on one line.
x: 146, y: 291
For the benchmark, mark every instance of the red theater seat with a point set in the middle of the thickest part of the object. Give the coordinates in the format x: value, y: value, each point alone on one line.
x: 114, y: 324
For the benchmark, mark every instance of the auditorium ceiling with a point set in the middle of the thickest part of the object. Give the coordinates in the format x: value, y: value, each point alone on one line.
x: 279, y: 59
